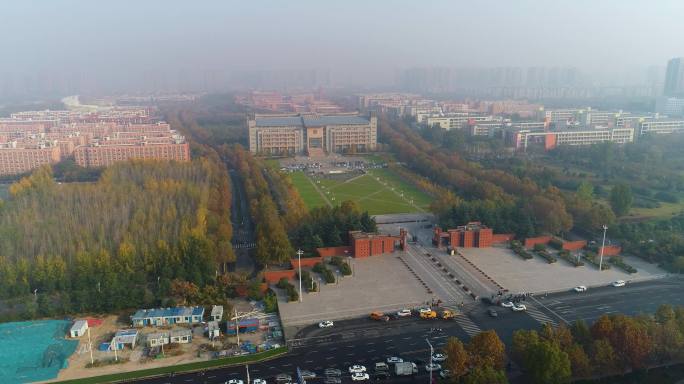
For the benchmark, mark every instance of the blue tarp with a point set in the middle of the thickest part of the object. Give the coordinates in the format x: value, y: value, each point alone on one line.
x: 34, y: 350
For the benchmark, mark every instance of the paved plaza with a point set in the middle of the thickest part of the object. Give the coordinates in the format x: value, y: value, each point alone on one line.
x: 379, y: 283
x: 537, y: 276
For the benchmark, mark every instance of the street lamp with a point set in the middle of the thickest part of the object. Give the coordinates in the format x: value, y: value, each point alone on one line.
x: 299, y: 259
x: 603, y: 244
x: 431, y: 353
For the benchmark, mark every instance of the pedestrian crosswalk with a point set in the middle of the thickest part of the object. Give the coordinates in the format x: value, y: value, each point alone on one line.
x: 540, y: 316
x: 468, y: 325
x: 246, y: 245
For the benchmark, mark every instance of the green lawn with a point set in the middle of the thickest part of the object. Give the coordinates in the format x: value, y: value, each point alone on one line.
x: 665, y: 211
x: 378, y: 197
x: 312, y: 198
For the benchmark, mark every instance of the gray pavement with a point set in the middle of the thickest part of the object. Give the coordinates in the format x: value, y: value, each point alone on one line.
x: 379, y: 283
x: 537, y: 276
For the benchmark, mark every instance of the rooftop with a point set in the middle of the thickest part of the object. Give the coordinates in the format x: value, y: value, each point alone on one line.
x: 310, y: 121
x: 168, y: 312
x: 284, y: 121
x: 319, y: 121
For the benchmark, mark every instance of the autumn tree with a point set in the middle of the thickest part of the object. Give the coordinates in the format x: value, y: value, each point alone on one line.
x: 603, y: 356
x: 546, y: 363
x: 486, y: 349
x: 486, y: 375
x: 523, y: 340
x: 458, y: 358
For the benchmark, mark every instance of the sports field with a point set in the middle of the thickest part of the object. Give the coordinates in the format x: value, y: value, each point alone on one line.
x: 312, y: 198
x: 379, y: 192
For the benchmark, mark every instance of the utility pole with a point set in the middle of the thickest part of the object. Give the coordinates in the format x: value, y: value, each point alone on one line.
x: 431, y: 353
x: 247, y: 367
x: 299, y: 259
x: 90, y: 348
x: 237, y: 327
x: 603, y: 244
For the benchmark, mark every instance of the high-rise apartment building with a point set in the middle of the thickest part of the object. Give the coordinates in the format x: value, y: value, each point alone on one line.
x: 674, y: 78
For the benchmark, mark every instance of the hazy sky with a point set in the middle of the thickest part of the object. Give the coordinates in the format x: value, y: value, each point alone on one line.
x: 120, y: 38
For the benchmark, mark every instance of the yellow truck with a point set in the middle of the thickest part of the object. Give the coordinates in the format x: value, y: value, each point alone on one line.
x: 447, y: 314
x: 428, y: 315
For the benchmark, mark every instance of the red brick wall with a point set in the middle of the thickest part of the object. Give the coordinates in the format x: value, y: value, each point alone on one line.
x: 362, y: 248
x: 468, y: 239
x: 574, y: 245
x: 502, y: 238
x: 610, y: 250
x: 334, y: 251
x: 388, y: 245
x: 531, y: 241
x: 272, y: 277
x: 306, y: 262
x: 376, y: 247
x: 455, y: 239
x: 484, y: 237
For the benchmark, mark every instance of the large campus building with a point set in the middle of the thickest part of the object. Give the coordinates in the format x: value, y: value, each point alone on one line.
x: 312, y: 134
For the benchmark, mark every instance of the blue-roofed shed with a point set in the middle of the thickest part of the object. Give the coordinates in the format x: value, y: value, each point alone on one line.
x: 167, y: 316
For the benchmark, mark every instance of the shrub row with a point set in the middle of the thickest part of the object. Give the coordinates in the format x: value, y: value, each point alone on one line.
x: 565, y: 255
x: 620, y: 263
x: 546, y: 255
x: 327, y: 274
x: 594, y: 260
x: 292, y: 294
x: 520, y: 250
x: 344, y: 267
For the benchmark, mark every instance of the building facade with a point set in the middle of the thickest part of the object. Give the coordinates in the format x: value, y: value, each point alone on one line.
x: 660, y: 126
x: 105, y: 154
x: 16, y: 159
x: 312, y: 134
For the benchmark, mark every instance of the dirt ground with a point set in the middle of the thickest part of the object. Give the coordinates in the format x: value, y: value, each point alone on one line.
x: 174, y: 354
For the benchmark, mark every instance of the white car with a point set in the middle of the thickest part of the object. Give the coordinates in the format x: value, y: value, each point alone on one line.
x: 432, y: 367
x: 580, y: 288
x: 507, y: 304
x: 394, y: 360
x: 519, y: 307
x: 357, y: 369
x: 325, y: 324
x: 360, y: 376
x: 424, y: 310
x: 235, y: 381
x: 438, y: 357
x: 618, y: 283
x: 404, y: 313
x: 259, y: 381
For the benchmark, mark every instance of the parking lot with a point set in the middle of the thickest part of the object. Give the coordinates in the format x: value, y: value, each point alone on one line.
x: 379, y: 283
x: 537, y: 276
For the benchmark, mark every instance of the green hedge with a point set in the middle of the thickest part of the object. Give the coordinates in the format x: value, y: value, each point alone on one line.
x: 546, y: 255
x: 189, y: 367
x: 520, y: 250
x: 620, y: 263
x: 565, y: 255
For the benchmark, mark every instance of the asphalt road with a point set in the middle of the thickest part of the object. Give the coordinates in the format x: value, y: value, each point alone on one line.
x: 363, y: 341
x: 632, y: 299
